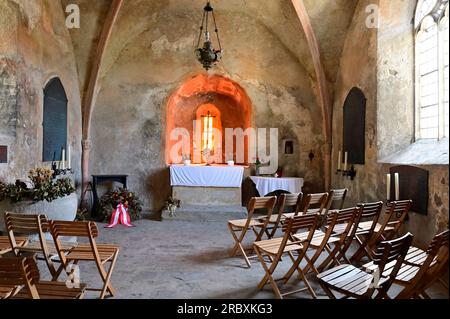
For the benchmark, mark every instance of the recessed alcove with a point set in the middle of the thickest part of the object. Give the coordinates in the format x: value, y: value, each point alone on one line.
x: 228, y: 106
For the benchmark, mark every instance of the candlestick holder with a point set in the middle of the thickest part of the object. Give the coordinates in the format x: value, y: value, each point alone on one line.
x: 348, y: 173
x: 59, y: 171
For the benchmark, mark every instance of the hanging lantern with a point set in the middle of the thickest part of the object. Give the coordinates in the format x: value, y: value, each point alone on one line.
x: 206, y: 54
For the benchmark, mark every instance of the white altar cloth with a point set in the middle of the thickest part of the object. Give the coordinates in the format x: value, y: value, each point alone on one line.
x: 266, y: 185
x: 206, y: 176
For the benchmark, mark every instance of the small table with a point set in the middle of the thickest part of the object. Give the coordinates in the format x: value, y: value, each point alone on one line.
x: 267, y: 185
x: 99, y: 179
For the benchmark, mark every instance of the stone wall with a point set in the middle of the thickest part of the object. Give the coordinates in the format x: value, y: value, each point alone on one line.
x: 380, y: 63
x: 35, y: 46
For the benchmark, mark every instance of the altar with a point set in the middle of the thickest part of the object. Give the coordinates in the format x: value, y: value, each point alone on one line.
x: 206, y: 185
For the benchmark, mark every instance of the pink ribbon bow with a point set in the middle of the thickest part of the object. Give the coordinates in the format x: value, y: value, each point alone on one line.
x: 120, y: 215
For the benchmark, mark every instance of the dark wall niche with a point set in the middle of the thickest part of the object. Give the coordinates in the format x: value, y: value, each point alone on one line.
x: 3, y: 154
x: 55, y: 120
x: 355, y: 126
x: 289, y: 147
x: 413, y: 184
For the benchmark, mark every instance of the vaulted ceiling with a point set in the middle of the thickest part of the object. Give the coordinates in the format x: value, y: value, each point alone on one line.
x: 330, y: 20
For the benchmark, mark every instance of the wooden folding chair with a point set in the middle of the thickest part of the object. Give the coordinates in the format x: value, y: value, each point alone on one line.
x: 387, y: 229
x: 275, y: 248
x: 337, y: 198
x: 285, y: 202
x: 93, y: 252
x: 357, y: 283
x: 20, y: 279
x: 239, y: 228
x: 420, y: 269
x: 5, y: 245
x: 33, y: 225
x: 312, y: 204
x: 322, y: 241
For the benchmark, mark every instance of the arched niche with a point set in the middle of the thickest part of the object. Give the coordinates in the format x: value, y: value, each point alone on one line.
x: 355, y: 126
x: 223, y: 97
x: 54, y: 120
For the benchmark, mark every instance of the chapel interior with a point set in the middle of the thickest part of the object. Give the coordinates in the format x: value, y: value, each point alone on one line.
x: 195, y: 149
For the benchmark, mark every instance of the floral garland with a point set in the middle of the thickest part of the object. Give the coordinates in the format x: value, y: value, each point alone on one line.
x: 43, y: 187
x: 110, y: 200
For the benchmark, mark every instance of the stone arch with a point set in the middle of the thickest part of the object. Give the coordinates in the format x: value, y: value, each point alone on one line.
x: 225, y: 94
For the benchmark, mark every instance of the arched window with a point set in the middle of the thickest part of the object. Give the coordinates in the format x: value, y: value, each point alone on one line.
x: 431, y: 60
x: 54, y: 121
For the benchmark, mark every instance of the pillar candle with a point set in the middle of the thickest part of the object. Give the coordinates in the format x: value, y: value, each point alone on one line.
x: 388, y: 187
x: 339, y: 160
x: 69, y: 160
x: 63, y: 159
x: 397, y: 186
x: 345, y: 161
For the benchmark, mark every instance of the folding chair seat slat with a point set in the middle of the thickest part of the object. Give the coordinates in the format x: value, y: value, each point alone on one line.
x: 354, y: 282
x: 424, y: 267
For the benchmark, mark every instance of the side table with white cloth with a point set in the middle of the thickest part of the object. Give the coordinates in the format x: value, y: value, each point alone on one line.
x: 267, y: 185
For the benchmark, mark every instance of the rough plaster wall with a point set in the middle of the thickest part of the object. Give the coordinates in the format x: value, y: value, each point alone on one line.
x: 149, y: 58
x: 34, y: 47
x: 359, y: 67
x: 395, y: 76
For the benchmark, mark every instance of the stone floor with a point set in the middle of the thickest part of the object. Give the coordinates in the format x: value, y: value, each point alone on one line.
x: 186, y: 258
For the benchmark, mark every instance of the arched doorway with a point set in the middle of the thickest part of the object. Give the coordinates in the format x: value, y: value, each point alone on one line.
x: 203, y: 104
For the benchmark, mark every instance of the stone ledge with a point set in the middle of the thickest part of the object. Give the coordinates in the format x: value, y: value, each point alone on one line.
x: 422, y: 152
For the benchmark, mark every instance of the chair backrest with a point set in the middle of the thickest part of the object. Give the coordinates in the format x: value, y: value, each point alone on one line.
x: 395, y: 215
x: 431, y: 268
x: 390, y: 251
x: 73, y: 229
x: 292, y: 225
x: 292, y: 201
x: 28, y: 225
x: 267, y: 203
x: 344, y: 216
x: 296, y: 223
x: 320, y: 200
x: 18, y: 271
x: 337, y: 198
x: 370, y: 212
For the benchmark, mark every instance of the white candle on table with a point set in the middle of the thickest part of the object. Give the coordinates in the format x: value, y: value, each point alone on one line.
x: 339, y: 160
x: 397, y: 186
x: 388, y: 187
x: 345, y: 161
x: 63, y: 159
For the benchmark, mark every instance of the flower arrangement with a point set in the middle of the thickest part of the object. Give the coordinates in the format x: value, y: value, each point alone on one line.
x: 172, y: 204
x: 43, y: 187
x: 110, y: 201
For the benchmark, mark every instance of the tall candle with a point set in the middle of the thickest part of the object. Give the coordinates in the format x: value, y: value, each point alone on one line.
x: 397, y: 186
x: 345, y: 161
x: 69, y: 160
x: 388, y: 187
x: 339, y: 160
x: 63, y: 159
